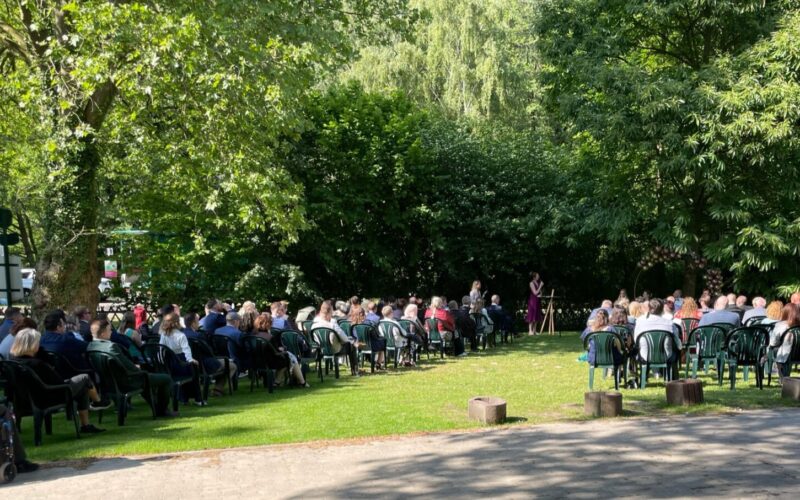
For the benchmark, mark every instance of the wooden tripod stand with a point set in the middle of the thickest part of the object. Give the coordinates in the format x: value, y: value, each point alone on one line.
x: 549, y: 319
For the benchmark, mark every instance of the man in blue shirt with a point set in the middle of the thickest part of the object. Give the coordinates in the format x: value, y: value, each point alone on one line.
x: 231, y: 330
x: 213, y: 318
x: 56, y: 340
x: 372, y: 314
x: 607, y: 305
x: 721, y: 315
x: 758, y: 310
x: 12, y: 313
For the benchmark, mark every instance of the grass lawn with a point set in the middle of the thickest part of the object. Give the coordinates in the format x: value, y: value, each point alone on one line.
x: 539, y: 377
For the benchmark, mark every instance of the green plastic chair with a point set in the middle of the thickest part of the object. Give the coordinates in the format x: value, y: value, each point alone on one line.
x: 118, y: 384
x: 794, y: 354
x: 656, y: 341
x: 605, y: 344
x: 305, y: 328
x: 160, y: 359
x: 291, y: 341
x: 325, y: 352
x: 707, y: 342
x: 364, y: 332
x: 434, y: 336
x: 385, y: 328
x: 255, y: 349
x: 745, y: 347
x: 345, y: 325
x: 687, y: 327
x: 483, y: 329
x: 754, y: 320
x: 410, y: 327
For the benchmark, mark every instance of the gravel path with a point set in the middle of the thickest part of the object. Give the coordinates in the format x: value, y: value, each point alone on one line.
x: 749, y: 454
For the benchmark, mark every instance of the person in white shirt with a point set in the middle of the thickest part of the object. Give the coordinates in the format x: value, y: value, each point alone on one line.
x: 399, y: 334
x: 175, y: 340
x: 341, y: 343
x: 654, y: 320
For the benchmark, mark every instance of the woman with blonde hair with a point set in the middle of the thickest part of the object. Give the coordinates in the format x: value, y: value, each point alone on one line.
x: 774, y: 312
x: 340, y: 342
x: 475, y: 292
x: 26, y: 350
x: 247, y: 317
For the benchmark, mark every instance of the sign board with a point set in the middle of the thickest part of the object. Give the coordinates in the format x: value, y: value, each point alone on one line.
x: 16, y: 279
x: 110, y: 267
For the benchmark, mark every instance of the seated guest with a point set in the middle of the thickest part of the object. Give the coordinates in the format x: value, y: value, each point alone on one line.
x: 689, y: 311
x: 705, y: 304
x: 247, y: 318
x: 377, y: 341
x: 100, y: 325
x: 372, y: 313
x: 669, y: 308
x: 758, y: 309
x: 464, y: 322
x: 340, y: 342
x: 601, y: 324
x: 26, y: 349
x: 634, y: 312
x: 606, y: 305
x: 175, y: 340
x: 790, y: 318
x: 341, y: 310
x: 84, y: 317
x: 232, y: 331
x: 167, y: 309
x: 55, y: 339
x: 214, y: 318
x: 158, y: 383
x: 773, y: 313
x: 127, y: 327
x: 445, y: 325
x: 399, y: 334
x: 501, y: 318
x: 398, y: 311
x: 12, y: 314
x: 721, y: 314
x: 655, y: 321
x: 417, y: 329
x: 278, y: 312
x: 357, y: 315
x: 20, y: 324
x: 207, y: 358
x: 278, y: 358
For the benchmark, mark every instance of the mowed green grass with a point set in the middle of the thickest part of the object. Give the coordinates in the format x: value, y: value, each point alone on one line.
x: 539, y: 377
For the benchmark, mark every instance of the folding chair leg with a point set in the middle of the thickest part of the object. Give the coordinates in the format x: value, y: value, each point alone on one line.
x: 591, y: 377
x: 732, y: 373
x: 37, y: 428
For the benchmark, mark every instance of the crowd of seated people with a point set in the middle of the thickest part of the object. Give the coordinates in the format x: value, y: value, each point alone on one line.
x: 681, y: 315
x: 190, y: 344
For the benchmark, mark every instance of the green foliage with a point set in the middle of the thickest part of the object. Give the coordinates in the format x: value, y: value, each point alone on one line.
x: 635, y: 89
x: 468, y: 58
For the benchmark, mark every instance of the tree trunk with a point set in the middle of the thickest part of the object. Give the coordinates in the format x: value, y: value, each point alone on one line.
x: 67, y: 272
x: 689, y: 280
x: 26, y: 238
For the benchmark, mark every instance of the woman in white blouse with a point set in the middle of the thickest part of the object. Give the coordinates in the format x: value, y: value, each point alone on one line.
x: 340, y: 342
x: 175, y: 340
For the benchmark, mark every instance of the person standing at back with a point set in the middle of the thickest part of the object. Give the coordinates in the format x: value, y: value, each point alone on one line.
x: 534, y: 315
x: 475, y: 292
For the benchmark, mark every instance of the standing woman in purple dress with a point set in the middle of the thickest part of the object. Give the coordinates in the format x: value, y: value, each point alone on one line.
x: 534, y: 303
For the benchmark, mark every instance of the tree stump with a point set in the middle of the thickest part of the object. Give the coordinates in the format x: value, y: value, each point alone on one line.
x: 684, y: 392
x: 791, y: 388
x: 591, y: 403
x: 611, y: 404
x: 602, y: 404
x: 487, y: 409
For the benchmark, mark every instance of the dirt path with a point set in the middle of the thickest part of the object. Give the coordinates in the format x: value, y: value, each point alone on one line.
x: 750, y: 454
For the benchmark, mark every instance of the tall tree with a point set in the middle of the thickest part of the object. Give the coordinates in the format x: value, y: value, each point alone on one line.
x: 627, y: 84
x: 189, y: 84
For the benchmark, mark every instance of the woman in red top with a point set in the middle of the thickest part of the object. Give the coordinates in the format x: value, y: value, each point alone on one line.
x: 438, y: 311
x: 688, y: 311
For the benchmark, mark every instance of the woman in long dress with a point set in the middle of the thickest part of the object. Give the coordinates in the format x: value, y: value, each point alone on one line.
x: 534, y: 303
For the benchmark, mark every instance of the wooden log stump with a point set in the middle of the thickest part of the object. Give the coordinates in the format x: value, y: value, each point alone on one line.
x: 790, y: 388
x: 611, y: 404
x: 591, y: 403
x: 684, y: 392
x: 487, y: 409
